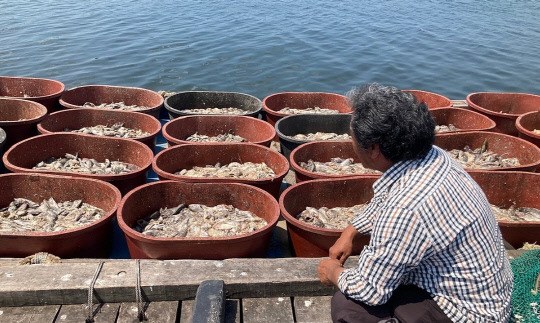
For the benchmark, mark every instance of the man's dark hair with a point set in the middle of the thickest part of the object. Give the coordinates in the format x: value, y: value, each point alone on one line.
x: 384, y: 115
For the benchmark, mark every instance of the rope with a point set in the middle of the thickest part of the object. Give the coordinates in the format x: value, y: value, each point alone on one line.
x: 90, y: 317
x: 138, y: 293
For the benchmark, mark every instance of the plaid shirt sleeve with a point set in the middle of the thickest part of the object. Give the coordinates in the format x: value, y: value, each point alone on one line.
x: 398, y: 243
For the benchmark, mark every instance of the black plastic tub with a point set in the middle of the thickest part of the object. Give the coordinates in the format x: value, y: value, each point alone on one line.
x: 309, y: 123
x: 179, y: 102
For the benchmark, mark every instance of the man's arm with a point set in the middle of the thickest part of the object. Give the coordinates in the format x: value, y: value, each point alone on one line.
x: 398, y: 241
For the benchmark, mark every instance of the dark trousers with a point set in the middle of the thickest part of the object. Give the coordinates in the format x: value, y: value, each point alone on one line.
x: 408, y: 304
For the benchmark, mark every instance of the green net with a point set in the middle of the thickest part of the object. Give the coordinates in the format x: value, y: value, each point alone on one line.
x: 526, y: 295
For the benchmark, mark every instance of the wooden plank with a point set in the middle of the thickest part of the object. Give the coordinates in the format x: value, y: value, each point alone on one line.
x: 312, y: 309
x: 210, y: 302
x: 161, y: 280
x: 162, y: 312
x: 459, y: 103
x: 256, y: 310
x: 232, y: 311
x: 103, y: 313
x: 186, y: 312
x: 29, y: 314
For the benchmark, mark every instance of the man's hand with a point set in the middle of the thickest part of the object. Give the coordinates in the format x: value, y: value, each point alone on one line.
x: 329, y: 270
x: 342, y: 249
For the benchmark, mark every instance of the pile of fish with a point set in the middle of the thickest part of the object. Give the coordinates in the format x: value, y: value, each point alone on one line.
x: 116, y: 130
x: 481, y: 158
x: 115, y: 106
x: 321, y: 136
x: 23, y: 215
x: 516, y: 214
x: 72, y: 163
x: 197, y: 220
x: 246, y: 170
x: 231, y: 110
x: 226, y: 137
x: 446, y: 128
x: 166, y: 94
x: 337, y: 166
x: 334, y: 218
x: 315, y: 110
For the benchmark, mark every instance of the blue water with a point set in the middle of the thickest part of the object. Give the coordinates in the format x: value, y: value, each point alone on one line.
x: 263, y: 47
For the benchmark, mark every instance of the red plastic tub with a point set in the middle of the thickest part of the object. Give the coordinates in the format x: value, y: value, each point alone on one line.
x: 504, y: 108
x: 76, y: 97
x: 78, y: 118
x: 433, y: 100
x: 311, y: 241
x: 302, y: 100
x: 527, y: 153
x: 176, y: 158
x: 503, y: 189
x: 148, y: 198
x: 90, y: 241
x: 465, y: 120
x: 39, y: 90
x: 26, y: 154
x: 19, y: 118
x: 323, y: 151
x: 253, y: 130
x: 526, y: 124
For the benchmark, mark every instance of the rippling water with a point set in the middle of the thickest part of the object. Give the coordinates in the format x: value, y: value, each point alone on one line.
x: 262, y: 47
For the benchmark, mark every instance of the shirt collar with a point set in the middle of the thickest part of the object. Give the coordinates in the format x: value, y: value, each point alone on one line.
x: 388, y: 178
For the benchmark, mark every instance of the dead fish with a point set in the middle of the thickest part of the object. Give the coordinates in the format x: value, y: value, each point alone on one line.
x: 197, y: 220
x: 516, y: 214
x: 115, y: 106
x: 23, y: 215
x: 227, y: 137
x: 333, y: 218
x: 72, y: 163
x: 246, y: 170
x: 337, y: 166
x: 446, y: 128
x: 481, y: 158
x: 116, y: 130
x: 321, y: 136
x: 230, y: 110
x: 314, y: 110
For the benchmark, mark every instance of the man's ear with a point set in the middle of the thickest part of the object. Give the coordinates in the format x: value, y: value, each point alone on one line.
x: 374, y: 151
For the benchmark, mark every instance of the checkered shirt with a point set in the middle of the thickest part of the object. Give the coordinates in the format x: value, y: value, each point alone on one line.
x: 431, y: 226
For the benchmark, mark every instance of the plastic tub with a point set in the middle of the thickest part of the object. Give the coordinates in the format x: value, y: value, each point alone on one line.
x: 323, y: 151
x: 465, y: 120
x: 526, y: 123
x: 433, y: 100
x: 503, y: 189
x: 176, y: 158
x: 251, y: 129
x: 39, y: 90
x: 211, y: 99
x: 2, y: 142
x: 26, y: 154
x: 90, y: 241
x: 302, y: 100
x: 19, y: 118
x: 311, y: 241
x: 76, y: 97
x: 78, y: 118
x: 527, y: 153
x: 504, y: 108
x: 309, y: 123
x: 148, y: 198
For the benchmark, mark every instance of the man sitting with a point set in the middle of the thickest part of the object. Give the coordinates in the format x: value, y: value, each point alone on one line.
x: 436, y: 253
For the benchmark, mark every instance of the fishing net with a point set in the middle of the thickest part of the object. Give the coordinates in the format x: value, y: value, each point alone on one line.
x: 526, y: 295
